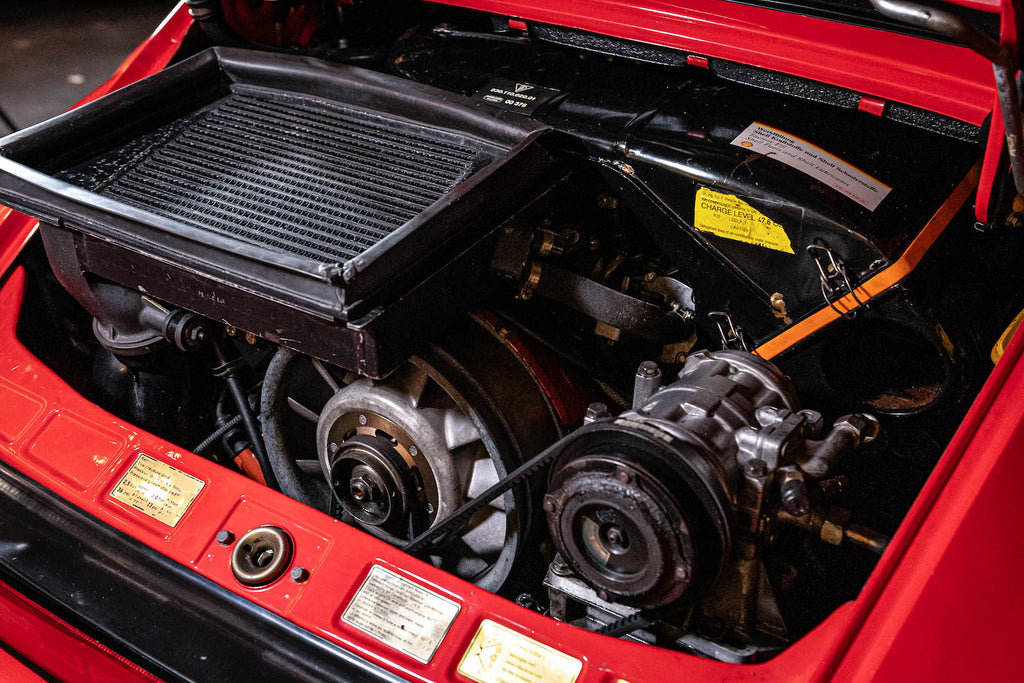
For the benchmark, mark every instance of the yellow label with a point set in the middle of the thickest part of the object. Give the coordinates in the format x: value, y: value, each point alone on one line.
x: 501, y: 655
x: 161, y: 491
x: 732, y: 218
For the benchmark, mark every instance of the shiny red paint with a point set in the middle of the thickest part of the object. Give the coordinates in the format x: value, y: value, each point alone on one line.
x: 11, y: 669
x: 17, y: 231
x: 565, y: 392
x: 56, y: 647
x: 871, y: 105
x: 936, y: 76
x: 942, y: 603
x: 951, y: 607
x: 1009, y: 18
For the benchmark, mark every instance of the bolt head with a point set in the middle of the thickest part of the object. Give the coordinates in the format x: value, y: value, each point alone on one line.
x: 361, y: 489
x: 299, y: 574
x: 648, y: 369
x: 225, y: 537
x: 756, y: 467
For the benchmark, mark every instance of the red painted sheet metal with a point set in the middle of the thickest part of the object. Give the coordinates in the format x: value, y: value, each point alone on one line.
x: 951, y: 610
x: 17, y: 231
x: 936, y: 76
x: 11, y: 669
x: 55, y: 647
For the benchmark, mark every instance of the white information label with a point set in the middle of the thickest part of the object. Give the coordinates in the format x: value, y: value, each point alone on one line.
x: 815, y: 162
x: 161, y: 491
x: 400, y: 613
x: 498, y: 654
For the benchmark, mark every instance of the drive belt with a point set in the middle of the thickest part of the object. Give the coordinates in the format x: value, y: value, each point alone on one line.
x: 457, y: 519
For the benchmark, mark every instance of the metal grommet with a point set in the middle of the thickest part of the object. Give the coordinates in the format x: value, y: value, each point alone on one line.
x: 261, y: 556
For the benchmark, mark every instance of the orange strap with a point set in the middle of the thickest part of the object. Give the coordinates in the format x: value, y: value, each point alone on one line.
x: 883, y: 279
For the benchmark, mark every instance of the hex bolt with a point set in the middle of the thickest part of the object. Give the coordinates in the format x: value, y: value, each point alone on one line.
x: 793, y: 492
x: 616, y: 537
x: 559, y: 567
x: 362, y: 419
x: 646, y: 382
x: 756, y: 467
x: 225, y: 537
x: 299, y: 574
x: 648, y: 369
x: 595, y: 411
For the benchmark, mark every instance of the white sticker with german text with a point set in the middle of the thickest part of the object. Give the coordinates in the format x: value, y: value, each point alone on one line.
x: 500, y: 655
x: 161, y: 491
x: 400, y: 613
x: 815, y: 162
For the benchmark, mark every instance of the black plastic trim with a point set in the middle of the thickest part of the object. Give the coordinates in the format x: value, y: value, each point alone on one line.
x: 156, y: 612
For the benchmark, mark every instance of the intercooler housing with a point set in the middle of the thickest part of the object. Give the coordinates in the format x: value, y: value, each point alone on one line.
x: 340, y: 212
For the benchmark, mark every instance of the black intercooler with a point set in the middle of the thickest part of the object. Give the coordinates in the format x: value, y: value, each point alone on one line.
x: 338, y: 211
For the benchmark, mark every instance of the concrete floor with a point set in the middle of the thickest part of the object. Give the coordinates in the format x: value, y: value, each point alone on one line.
x: 54, y: 52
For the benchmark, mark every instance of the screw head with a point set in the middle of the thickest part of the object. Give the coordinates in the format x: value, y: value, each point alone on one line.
x: 225, y: 537
x: 299, y: 574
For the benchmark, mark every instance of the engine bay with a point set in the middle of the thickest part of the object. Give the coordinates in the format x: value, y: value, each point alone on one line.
x: 661, y: 348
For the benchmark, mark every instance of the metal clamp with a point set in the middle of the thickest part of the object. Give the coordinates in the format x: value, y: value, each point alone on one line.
x: 731, y: 336
x: 834, y: 280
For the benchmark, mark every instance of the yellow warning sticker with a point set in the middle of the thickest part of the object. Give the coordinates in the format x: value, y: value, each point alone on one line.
x: 730, y: 217
x: 500, y: 655
x: 157, y: 489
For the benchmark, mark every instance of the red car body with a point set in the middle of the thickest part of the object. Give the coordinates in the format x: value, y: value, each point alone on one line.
x: 943, y: 603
